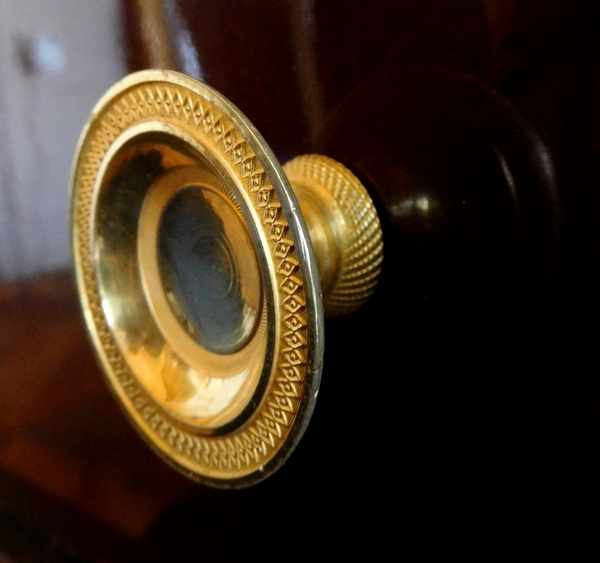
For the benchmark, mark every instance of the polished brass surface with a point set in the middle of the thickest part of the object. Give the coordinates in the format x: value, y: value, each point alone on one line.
x: 224, y: 410
x: 344, y: 230
x: 197, y: 274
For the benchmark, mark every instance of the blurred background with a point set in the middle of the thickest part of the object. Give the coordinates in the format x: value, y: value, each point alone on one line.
x: 56, y: 60
x: 491, y: 405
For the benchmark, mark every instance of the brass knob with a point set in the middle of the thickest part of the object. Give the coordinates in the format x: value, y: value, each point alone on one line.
x: 204, y: 277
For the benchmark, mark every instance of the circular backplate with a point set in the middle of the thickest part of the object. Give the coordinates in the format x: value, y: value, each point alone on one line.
x: 196, y: 277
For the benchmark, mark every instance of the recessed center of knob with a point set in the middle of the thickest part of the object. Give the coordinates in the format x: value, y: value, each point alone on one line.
x: 216, y: 268
x: 209, y: 270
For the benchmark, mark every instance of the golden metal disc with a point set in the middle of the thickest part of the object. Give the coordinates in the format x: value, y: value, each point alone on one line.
x: 197, y: 278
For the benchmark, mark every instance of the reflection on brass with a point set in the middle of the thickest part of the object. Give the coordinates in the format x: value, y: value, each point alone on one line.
x: 197, y: 274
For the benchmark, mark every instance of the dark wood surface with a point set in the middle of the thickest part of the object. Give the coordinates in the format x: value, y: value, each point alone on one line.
x: 509, y: 439
x: 69, y: 461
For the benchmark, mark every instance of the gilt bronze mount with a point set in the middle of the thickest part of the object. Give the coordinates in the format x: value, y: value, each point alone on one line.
x: 204, y: 277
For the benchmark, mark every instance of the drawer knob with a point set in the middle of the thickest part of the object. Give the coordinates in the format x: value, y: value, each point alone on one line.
x: 205, y: 270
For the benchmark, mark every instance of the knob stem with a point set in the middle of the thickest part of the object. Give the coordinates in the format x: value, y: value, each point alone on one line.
x: 344, y: 229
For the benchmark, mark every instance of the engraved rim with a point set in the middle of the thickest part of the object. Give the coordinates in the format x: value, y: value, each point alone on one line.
x: 247, y: 453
